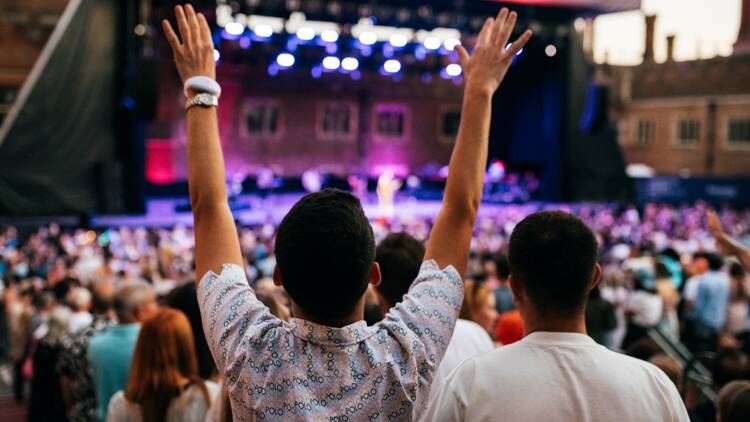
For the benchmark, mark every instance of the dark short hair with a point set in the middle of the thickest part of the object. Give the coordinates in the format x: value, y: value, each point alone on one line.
x: 502, y: 266
x: 553, y: 256
x: 324, y: 251
x: 400, y: 257
x: 715, y: 261
x: 185, y: 299
x: 730, y: 364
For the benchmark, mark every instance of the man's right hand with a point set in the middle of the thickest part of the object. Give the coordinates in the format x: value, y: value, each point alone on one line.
x: 485, y: 69
x: 194, y: 56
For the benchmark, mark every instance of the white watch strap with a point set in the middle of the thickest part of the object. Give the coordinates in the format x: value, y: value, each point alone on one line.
x: 202, y: 84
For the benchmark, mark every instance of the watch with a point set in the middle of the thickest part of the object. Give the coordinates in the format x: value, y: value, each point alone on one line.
x: 202, y: 100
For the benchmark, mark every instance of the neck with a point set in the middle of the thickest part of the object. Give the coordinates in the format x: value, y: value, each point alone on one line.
x: 555, y: 324
x: 358, y: 314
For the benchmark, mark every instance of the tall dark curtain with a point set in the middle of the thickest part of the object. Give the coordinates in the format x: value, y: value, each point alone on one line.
x: 64, y: 137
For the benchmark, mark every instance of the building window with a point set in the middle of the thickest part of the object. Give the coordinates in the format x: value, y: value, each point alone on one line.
x: 391, y: 122
x: 644, y: 134
x: 688, y: 133
x: 337, y: 121
x: 261, y: 119
x: 739, y: 133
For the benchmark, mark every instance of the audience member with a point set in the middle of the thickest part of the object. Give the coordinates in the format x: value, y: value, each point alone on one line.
x: 73, y: 365
x: 737, y: 311
x: 670, y: 367
x: 600, y: 317
x: 184, y: 299
x: 509, y: 328
x: 734, y: 402
x: 644, y: 309
x: 46, y: 403
x: 479, y: 306
x: 503, y: 295
x: 556, y: 371
x: 325, y: 255
x: 79, y: 300
x: 111, y: 352
x: 164, y: 384
x: 710, y: 307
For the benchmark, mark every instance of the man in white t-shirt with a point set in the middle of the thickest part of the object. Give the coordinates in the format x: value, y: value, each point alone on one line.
x: 556, y: 372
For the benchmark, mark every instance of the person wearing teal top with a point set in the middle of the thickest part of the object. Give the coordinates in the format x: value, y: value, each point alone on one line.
x: 111, y: 352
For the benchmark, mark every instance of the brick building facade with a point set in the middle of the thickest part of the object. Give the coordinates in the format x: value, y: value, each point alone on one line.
x: 687, y: 118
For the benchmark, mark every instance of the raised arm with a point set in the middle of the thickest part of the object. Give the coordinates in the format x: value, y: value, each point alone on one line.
x: 216, y: 241
x: 726, y: 244
x: 484, y: 70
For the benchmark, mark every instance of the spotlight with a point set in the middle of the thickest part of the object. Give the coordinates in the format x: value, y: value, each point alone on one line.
x: 234, y: 28
x: 331, y: 63
x: 451, y: 43
x: 368, y: 38
x: 217, y: 55
x: 349, y: 63
x: 329, y: 35
x: 305, y: 33
x: 245, y: 42
x: 392, y: 66
x: 263, y: 31
x: 453, y: 69
x: 316, y: 72
x: 398, y: 40
x: 431, y: 43
x: 285, y: 60
x: 550, y: 50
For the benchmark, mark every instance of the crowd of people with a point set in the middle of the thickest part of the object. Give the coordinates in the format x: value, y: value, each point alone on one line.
x: 528, y: 312
x: 64, y: 287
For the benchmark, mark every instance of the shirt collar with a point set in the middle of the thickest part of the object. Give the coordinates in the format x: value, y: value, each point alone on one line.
x: 558, y: 338
x: 330, y: 336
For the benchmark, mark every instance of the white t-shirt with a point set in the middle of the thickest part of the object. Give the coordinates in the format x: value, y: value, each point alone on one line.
x: 557, y: 377
x: 469, y: 340
x: 647, y: 308
x: 191, y: 406
x: 79, y: 320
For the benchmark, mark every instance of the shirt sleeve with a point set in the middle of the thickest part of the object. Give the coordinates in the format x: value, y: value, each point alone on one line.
x: 429, y: 310
x: 232, y: 316
x: 117, y: 409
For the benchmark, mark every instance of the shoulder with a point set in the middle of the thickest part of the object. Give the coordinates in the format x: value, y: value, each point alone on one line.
x: 430, y: 269
x: 470, y: 329
x: 117, y: 406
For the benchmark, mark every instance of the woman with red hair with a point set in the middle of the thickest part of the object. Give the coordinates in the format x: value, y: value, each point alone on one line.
x: 164, y: 384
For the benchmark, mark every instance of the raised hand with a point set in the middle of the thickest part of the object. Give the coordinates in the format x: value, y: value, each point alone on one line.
x: 486, y: 67
x: 194, y: 56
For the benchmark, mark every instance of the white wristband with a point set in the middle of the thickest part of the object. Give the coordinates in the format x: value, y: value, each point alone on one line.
x: 202, y: 84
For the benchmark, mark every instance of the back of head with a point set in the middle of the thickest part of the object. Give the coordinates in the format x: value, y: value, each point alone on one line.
x: 184, y: 299
x: 715, y: 261
x: 734, y: 402
x: 79, y: 299
x: 736, y: 271
x: 130, y: 297
x: 102, y: 296
x: 553, y: 256
x: 400, y: 257
x: 163, y: 357
x: 324, y: 251
x: 729, y: 365
x: 58, y: 324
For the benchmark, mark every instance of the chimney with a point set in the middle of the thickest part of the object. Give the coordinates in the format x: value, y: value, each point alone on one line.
x: 742, y: 46
x: 648, y: 53
x: 670, y: 48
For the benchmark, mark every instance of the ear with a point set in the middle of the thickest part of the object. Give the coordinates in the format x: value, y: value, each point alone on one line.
x: 597, y: 276
x: 516, y: 289
x: 277, y: 276
x: 375, y: 276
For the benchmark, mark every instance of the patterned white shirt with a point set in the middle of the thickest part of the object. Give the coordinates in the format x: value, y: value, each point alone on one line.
x: 305, y: 371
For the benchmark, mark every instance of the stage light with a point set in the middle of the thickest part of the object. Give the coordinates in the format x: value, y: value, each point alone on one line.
x: 451, y: 43
x: 305, y: 33
x: 263, y: 31
x: 431, y: 43
x: 550, y: 50
x: 331, y: 63
x: 329, y: 35
x: 217, y: 55
x: 245, y: 42
x: 349, y: 63
x: 368, y: 38
x: 285, y: 60
x: 453, y: 69
x: 234, y: 28
x: 392, y: 66
x: 316, y: 72
x: 398, y: 40
x: 507, y: 47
